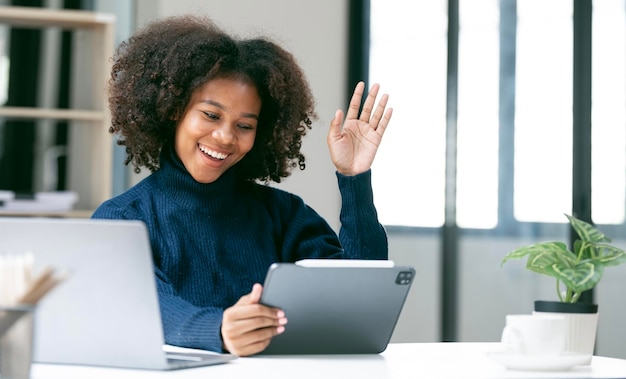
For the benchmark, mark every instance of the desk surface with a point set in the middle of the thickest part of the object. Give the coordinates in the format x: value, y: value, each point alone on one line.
x: 404, y: 360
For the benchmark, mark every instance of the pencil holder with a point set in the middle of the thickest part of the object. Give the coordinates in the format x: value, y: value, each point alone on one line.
x: 16, y: 342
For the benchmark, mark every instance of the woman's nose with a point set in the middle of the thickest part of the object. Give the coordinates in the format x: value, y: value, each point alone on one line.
x: 224, y: 133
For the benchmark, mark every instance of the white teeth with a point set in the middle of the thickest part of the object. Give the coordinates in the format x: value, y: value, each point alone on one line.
x: 212, y: 153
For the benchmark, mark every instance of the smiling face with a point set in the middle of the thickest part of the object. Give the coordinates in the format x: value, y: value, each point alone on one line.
x: 218, y: 128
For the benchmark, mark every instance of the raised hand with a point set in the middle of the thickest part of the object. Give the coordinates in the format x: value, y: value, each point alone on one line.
x: 353, y: 146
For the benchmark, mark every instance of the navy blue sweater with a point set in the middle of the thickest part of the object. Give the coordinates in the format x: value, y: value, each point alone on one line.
x: 212, y: 242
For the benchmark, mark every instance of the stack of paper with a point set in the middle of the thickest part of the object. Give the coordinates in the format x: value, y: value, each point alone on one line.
x: 6, y: 196
x: 57, y: 201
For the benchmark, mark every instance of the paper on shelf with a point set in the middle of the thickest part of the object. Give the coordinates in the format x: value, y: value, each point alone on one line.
x: 57, y: 201
x: 6, y: 196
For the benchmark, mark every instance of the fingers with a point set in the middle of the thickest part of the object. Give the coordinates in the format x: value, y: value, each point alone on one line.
x: 365, y: 114
x: 248, y: 326
x: 249, y: 329
x: 240, y: 313
x: 234, y: 327
x: 380, y: 119
x: 355, y: 102
x: 369, y: 103
x: 378, y: 113
x: 384, y: 122
x: 254, y: 342
x: 240, y: 321
x: 335, y: 126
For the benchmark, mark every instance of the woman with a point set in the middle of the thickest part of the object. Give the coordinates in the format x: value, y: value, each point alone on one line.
x: 215, y: 119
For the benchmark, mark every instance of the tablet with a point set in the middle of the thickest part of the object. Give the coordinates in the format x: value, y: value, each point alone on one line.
x: 336, y: 306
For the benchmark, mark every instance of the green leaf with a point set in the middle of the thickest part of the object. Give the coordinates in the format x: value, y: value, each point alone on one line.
x: 542, y: 261
x: 610, y: 255
x: 581, y: 277
x: 580, y: 270
x: 578, y: 245
x: 586, y: 231
x: 539, y: 248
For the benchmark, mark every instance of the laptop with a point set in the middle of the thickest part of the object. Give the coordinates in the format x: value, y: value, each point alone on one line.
x: 336, y: 306
x: 106, y: 312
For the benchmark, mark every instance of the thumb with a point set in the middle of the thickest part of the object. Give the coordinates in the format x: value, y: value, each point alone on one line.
x: 335, y: 125
x: 255, y: 294
x: 253, y: 297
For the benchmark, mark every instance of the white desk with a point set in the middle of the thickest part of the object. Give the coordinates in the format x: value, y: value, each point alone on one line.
x: 410, y: 360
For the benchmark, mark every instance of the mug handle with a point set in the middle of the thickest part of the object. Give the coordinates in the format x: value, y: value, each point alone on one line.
x: 512, y: 339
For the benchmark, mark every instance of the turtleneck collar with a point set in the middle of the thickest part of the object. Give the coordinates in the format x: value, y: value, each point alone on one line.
x: 174, y: 179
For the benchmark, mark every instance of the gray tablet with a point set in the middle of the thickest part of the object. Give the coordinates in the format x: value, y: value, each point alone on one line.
x: 336, y: 306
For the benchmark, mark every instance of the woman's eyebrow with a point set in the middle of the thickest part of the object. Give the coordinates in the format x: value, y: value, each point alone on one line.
x: 222, y: 107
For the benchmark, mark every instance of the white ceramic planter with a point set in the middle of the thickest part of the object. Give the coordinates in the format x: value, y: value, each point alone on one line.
x: 582, y: 320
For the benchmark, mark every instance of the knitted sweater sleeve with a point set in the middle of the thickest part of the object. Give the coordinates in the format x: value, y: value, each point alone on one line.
x: 185, y: 324
x: 361, y: 236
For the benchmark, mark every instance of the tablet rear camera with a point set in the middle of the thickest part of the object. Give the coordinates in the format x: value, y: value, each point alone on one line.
x: 404, y: 277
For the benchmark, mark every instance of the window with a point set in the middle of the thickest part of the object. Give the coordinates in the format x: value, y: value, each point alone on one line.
x: 4, y: 65
x: 408, y: 54
x: 608, y: 113
x: 543, y: 111
x: 408, y: 57
x: 477, y: 133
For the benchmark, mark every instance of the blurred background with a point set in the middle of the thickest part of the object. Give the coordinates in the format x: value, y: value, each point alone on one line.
x: 507, y: 115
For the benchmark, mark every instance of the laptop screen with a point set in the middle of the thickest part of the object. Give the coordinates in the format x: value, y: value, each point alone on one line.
x: 106, y: 311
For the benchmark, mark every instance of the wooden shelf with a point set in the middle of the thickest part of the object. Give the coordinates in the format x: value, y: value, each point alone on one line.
x: 90, y: 148
x: 43, y: 17
x: 52, y: 114
x: 74, y: 213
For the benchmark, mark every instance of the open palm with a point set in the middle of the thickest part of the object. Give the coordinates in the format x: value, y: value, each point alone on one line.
x: 354, y: 144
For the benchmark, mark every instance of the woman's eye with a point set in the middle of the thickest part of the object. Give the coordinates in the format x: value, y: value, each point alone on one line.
x: 211, y: 116
x: 245, y: 126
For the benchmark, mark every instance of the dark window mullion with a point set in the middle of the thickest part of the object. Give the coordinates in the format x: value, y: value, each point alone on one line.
x: 450, y: 236
x: 358, y: 44
x: 581, y: 157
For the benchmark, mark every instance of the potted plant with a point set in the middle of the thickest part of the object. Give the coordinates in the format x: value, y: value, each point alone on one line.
x: 575, y: 271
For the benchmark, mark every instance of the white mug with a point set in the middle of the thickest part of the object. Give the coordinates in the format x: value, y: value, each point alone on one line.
x: 528, y: 334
